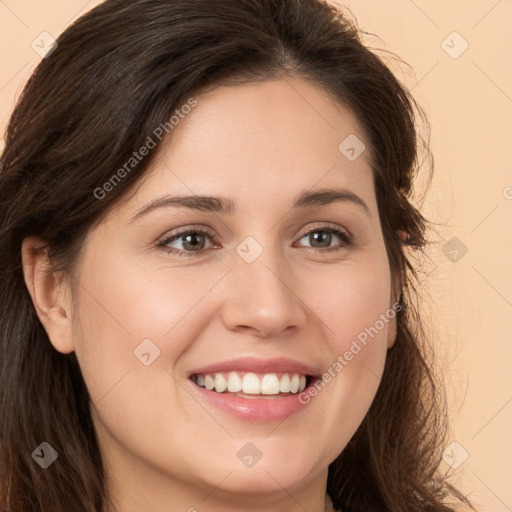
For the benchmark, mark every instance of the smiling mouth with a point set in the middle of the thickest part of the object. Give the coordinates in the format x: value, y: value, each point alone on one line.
x: 253, y: 385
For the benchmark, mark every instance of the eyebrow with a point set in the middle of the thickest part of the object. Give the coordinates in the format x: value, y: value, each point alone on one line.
x: 308, y: 198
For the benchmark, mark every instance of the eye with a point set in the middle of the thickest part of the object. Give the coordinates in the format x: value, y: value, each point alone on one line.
x: 190, y: 242
x: 321, y: 238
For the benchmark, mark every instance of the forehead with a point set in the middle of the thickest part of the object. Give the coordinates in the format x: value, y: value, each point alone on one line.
x: 261, y: 143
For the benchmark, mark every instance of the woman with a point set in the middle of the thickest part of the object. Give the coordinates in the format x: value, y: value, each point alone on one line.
x: 207, y: 301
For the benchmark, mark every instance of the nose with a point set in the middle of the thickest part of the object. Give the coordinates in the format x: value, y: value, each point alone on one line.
x: 260, y: 297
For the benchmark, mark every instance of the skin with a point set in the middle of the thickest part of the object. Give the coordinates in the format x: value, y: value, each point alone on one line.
x: 259, y: 145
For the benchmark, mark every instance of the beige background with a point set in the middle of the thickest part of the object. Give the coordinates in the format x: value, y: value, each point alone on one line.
x: 469, y: 103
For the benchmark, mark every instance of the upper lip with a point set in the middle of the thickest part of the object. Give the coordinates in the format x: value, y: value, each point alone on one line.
x: 256, y: 365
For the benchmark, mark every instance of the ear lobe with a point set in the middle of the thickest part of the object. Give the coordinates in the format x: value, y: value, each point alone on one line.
x: 49, y: 294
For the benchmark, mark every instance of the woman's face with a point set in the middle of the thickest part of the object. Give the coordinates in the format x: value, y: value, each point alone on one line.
x: 264, y: 282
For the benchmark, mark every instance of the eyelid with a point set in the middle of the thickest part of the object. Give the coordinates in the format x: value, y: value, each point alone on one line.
x: 319, y: 226
x: 182, y: 230
x: 205, y: 229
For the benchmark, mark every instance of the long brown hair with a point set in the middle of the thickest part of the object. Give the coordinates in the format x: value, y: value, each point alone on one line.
x: 116, y: 74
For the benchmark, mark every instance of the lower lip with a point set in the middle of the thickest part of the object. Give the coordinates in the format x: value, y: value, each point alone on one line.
x: 253, y: 409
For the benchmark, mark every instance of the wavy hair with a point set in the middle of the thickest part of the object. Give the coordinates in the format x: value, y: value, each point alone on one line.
x: 117, y: 73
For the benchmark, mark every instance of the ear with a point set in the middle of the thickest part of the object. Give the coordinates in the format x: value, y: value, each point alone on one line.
x: 50, y: 294
x: 396, y: 293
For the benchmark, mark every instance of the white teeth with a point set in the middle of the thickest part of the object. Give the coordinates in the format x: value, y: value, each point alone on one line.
x: 270, y: 384
x: 234, y: 382
x: 209, y: 383
x: 302, y: 383
x: 220, y: 383
x: 294, y: 383
x: 284, y: 385
x: 251, y: 384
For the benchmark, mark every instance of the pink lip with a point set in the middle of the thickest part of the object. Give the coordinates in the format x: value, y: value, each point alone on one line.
x: 255, y: 409
x: 252, y: 409
x: 253, y: 364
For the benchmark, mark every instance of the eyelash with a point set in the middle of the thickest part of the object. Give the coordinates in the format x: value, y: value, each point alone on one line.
x: 343, y: 235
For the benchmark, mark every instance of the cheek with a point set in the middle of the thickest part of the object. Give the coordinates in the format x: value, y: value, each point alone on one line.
x: 350, y: 300
x: 122, y: 308
x: 127, y: 305
x: 133, y: 402
x: 351, y: 305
